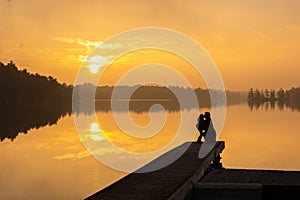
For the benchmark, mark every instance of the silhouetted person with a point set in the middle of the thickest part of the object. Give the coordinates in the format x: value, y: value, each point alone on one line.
x: 201, y: 127
x: 204, y: 127
x: 207, y: 120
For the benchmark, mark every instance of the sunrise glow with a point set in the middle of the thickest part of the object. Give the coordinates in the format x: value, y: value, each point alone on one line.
x: 94, y: 68
x: 246, y: 39
x: 94, y: 128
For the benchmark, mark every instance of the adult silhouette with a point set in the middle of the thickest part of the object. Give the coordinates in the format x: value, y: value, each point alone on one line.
x: 205, y: 128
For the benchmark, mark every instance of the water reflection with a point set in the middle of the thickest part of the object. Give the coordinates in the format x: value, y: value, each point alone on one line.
x: 20, y: 118
x: 54, y: 155
x: 51, y: 163
x: 261, y: 139
x: 16, y: 119
x: 272, y: 105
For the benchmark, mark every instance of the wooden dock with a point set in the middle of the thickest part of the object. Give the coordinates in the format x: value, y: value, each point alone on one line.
x: 231, y: 184
x: 173, y: 182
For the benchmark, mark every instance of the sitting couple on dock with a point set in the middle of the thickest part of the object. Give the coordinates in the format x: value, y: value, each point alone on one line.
x: 205, y: 128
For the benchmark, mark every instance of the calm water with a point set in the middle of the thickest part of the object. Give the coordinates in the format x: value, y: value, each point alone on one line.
x: 52, y: 163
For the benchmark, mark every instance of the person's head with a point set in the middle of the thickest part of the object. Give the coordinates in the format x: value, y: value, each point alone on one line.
x: 201, y: 116
x: 207, y: 115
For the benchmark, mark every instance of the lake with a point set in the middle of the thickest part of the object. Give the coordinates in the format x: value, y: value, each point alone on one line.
x: 51, y: 162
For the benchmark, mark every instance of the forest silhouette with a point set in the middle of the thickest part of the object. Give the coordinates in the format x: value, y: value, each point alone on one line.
x: 20, y: 86
x: 270, y: 98
x: 30, y: 101
x: 144, y: 97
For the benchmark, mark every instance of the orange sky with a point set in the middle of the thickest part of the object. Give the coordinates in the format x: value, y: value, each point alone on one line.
x: 253, y: 43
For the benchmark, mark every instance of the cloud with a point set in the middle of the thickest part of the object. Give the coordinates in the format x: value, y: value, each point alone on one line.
x: 82, y: 42
x: 89, y: 44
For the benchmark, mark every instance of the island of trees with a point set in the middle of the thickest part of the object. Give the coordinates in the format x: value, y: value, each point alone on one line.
x: 283, y: 98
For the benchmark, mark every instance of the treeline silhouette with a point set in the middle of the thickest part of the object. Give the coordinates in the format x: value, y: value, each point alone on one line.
x: 162, y: 93
x: 20, y: 86
x: 30, y: 101
x: 144, y: 97
x: 270, y: 98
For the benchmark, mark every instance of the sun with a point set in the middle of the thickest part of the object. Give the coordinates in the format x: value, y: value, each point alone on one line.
x: 97, y: 62
x: 94, y: 127
x: 94, y: 68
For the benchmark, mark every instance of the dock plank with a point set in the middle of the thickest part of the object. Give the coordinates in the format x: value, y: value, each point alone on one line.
x: 230, y: 184
x: 172, y: 182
